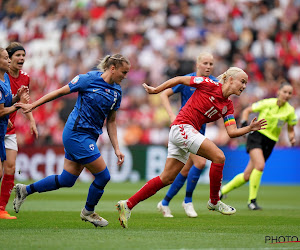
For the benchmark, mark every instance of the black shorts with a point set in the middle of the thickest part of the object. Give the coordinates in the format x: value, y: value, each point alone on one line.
x: 258, y: 140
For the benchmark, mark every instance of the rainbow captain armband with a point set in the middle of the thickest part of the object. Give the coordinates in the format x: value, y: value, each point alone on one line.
x: 229, y: 120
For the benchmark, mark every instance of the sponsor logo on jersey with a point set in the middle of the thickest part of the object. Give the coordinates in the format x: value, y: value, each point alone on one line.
x: 75, y: 80
x: 198, y: 80
x: 280, y: 123
x: 92, y: 147
x: 211, y: 98
x: 224, y: 110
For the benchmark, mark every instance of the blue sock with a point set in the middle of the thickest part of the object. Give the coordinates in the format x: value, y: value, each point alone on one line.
x: 173, y: 190
x: 52, y: 182
x: 192, y: 180
x: 97, y: 189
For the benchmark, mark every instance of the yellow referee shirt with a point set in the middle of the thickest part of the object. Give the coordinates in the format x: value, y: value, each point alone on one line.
x: 276, y: 116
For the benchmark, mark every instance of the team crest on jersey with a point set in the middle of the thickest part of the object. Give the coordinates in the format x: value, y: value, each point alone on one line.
x: 198, y: 79
x: 107, y: 90
x: 92, y: 147
x: 224, y: 110
x: 75, y: 80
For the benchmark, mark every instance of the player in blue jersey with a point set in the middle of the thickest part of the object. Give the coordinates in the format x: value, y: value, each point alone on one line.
x: 99, y: 97
x: 6, y: 108
x: 195, y: 164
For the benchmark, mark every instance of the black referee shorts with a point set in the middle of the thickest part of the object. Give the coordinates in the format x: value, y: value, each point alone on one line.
x: 258, y: 140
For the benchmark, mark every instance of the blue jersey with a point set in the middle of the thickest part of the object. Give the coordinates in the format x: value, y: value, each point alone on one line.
x: 6, y: 98
x: 96, y: 98
x: 187, y: 91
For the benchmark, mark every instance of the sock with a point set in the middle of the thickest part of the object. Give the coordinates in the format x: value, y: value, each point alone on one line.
x: 52, y: 182
x: 236, y: 182
x: 173, y: 190
x: 6, y: 188
x: 215, y: 177
x: 192, y: 180
x: 254, y: 182
x: 86, y: 212
x: 149, y: 189
x: 97, y: 189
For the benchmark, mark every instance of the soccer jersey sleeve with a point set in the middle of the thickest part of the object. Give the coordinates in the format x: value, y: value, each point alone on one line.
x: 229, y: 117
x: 260, y: 105
x: 292, y: 118
x: 197, y: 81
x: 118, y: 103
x: 2, y: 95
x: 79, y: 83
x: 178, y: 88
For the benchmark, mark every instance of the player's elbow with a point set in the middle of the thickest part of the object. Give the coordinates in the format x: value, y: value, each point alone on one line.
x: 232, y: 135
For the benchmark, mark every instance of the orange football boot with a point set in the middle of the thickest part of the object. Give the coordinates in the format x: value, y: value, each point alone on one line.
x: 5, y: 215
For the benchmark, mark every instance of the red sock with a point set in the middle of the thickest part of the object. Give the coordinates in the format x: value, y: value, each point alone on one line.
x: 6, y: 188
x: 215, y: 177
x: 149, y: 189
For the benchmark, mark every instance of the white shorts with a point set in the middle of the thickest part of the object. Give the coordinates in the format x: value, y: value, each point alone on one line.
x: 11, y: 142
x: 184, y: 139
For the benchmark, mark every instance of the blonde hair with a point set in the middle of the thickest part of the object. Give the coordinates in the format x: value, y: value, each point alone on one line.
x: 230, y: 72
x: 117, y: 60
x: 203, y: 54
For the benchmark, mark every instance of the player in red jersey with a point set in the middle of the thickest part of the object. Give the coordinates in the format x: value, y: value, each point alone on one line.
x: 208, y: 103
x: 17, y: 79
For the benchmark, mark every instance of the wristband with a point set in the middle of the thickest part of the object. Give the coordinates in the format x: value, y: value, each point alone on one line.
x: 244, y: 124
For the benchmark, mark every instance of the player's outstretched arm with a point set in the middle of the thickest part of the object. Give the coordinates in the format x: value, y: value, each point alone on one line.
x: 46, y: 98
x: 167, y: 84
x: 255, y: 125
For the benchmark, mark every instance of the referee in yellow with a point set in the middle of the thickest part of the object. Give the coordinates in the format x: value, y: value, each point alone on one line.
x: 260, y: 144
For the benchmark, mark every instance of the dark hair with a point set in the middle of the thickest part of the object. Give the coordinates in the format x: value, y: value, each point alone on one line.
x: 285, y: 84
x: 13, y: 47
x: 117, y: 60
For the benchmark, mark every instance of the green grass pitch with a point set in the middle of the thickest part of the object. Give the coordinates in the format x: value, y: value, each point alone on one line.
x: 51, y: 221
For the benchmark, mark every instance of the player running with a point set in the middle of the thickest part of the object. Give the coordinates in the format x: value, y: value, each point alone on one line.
x: 99, y: 97
x: 208, y: 103
x: 195, y: 164
x: 260, y: 144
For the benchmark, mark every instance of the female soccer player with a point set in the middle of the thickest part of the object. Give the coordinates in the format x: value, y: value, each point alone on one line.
x: 260, y: 144
x: 18, y: 78
x: 208, y: 103
x: 195, y: 164
x: 6, y: 100
x: 99, y: 97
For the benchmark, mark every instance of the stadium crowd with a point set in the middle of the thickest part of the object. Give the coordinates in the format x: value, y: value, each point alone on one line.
x: 162, y: 39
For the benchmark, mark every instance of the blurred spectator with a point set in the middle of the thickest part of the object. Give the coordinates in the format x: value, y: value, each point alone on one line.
x: 161, y: 39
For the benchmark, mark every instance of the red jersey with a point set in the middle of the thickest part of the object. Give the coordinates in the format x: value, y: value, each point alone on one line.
x: 15, y: 84
x: 206, y: 104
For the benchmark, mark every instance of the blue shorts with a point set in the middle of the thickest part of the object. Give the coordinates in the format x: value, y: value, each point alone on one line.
x: 202, y: 129
x: 2, y: 150
x: 80, y: 146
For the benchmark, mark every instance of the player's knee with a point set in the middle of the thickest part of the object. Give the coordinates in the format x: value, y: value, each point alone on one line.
x: 67, y: 179
x: 9, y: 167
x: 260, y: 167
x: 102, y: 178
x: 219, y: 157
